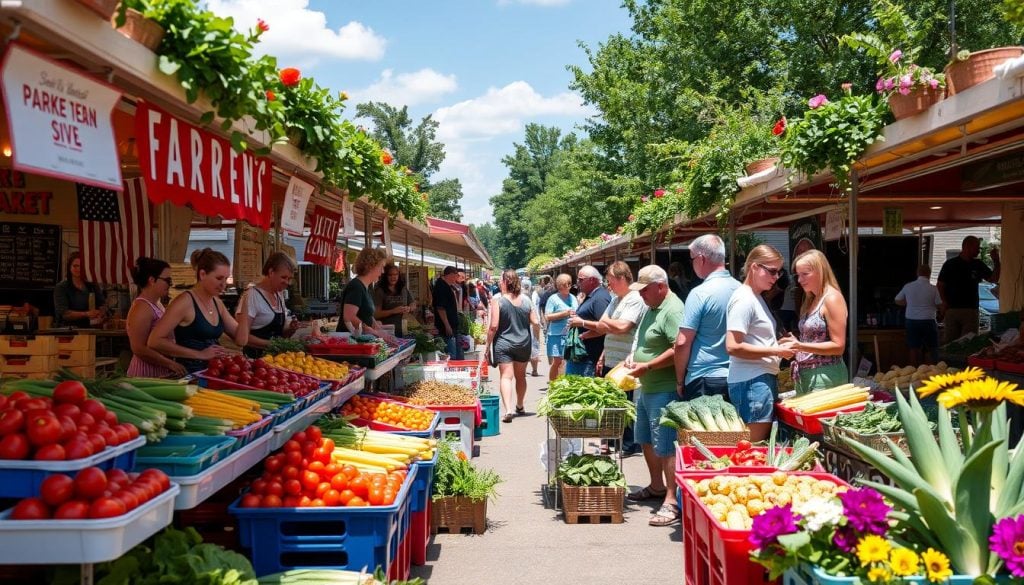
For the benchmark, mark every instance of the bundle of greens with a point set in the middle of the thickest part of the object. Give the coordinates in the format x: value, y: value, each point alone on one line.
x: 426, y: 343
x: 454, y: 475
x: 591, y: 470
x: 873, y: 420
x: 704, y: 413
x: 582, y: 398
x: 278, y: 345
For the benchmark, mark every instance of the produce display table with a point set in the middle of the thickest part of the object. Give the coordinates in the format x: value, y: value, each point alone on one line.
x: 307, y: 416
x: 195, y: 489
x: 373, y: 374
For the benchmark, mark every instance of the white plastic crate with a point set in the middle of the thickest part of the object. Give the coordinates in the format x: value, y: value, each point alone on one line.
x: 460, y: 422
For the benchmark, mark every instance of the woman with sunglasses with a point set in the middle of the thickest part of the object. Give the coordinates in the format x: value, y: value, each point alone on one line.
x: 819, y: 350
x: 153, y: 278
x: 751, y: 344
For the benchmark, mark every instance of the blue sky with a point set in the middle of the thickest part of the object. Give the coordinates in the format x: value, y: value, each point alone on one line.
x: 483, y: 68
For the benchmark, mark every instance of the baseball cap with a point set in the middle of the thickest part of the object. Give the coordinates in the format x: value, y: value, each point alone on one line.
x: 649, y: 275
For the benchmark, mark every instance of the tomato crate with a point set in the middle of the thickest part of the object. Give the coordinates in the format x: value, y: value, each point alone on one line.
x: 810, y: 423
x: 22, y: 478
x: 687, y: 455
x: 280, y: 539
x: 181, y: 455
x: 215, y: 383
x: 1008, y: 366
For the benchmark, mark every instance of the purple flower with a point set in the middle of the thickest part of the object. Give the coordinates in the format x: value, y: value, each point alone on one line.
x: 895, y: 56
x: 817, y: 101
x: 906, y: 82
x: 865, y: 511
x: 846, y: 538
x: 890, y: 83
x: 771, y: 524
x: 1007, y: 541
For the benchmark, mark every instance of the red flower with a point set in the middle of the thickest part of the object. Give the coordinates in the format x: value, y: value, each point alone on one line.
x: 270, y: 96
x: 386, y: 158
x: 659, y: 193
x: 290, y: 76
x: 262, y: 25
x: 780, y: 126
x: 632, y: 217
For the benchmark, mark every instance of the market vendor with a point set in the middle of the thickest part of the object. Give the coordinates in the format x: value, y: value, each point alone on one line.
x: 958, y: 287
x: 392, y: 299
x: 198, y: 317
x: 261, y: 313
x: 357, y: 308
x: 77, y: 303
x: 153, y: 279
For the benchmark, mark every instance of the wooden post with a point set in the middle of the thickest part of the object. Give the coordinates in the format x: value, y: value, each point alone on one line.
x: 851, y: 346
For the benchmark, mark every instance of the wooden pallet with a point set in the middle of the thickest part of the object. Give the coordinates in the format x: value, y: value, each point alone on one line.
x: 611, y: 517
x: 467, y: 529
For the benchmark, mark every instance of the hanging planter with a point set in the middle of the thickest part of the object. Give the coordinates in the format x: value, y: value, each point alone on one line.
x: 977, y: 68
x: 105, y: 8
x: 918, y: 100
x: 296, y: 137
x: 760, y: 166
x: 142, y: 30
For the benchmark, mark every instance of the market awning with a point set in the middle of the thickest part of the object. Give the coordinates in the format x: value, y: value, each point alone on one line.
x: 456, y: 239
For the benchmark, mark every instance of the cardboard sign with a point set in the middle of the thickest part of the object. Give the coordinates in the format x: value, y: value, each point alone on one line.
x: 323, y: 237
x: 348, y: 213
x: 833, y: 225
x: 59, y: 120
x: 248, y: 254
x: 892, y: 223
x: 293, y: 213
x: 187, y: 165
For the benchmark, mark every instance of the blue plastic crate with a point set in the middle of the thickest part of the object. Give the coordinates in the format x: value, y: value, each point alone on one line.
x: 423, y: 485
x: 193, y: 454
x: 491, y: 424
x: 279, y: 539
x: 21, y: 479
x: 807, y: 575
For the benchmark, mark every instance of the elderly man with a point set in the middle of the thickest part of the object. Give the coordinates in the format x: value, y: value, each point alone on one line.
x: 652, y: 362
x: 958, y: 286
x: 702, y: 364
x: 446, y: 311
x: 588, y: 316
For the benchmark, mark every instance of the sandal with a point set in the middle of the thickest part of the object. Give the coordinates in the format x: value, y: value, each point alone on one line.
x: 645, y: 494
x: 520, y: 410
x: 508, y: 419
x: 667, y: 515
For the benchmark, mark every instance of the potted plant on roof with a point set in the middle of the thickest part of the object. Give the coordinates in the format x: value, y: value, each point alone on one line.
x: 971, y: 68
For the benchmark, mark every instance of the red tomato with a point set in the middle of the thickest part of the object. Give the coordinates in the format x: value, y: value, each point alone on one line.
x: 95, y: 408
x: 54, y: 452
x: 109, y: 436
x: 290, y: 472
x: 291, y: 501
x: 57, y: 489
x: 106, y: 508
x: 356, y: 501
x: 141, y: 493
x: 274, y: 488
x: 322, y: 488
x: 85, y: 419
x: 72, y: 510
x: 293, y: 458
x: 66, y: 409
x: 118, y: 475
x: 250, y: 501
x: 16, y: 396
x: 90, y: 483
x: 68, y: 427
x: 316, y: 503
x: 161, y: 479
x: 376, y: 496
x: 98, y: 442
x: 32, y: 404
x: 327, y: 445
x: 308, y: 448
x: 339, y: 481
x: 30, y: 509
x: 3, y: 401
x: 271, y: 502
x: 310, y: 480
x: 123, y: 434
x: 322, y: 455
x: 389, y: 496
x: 300, y: 437
x: 360, y: 486
x: 128, y: 498
x: 11, y: 421
x: 332, y: 498
x: 259, y: 487
x: 293, y: 487
x: 274, y: 463
x: 314, y: 434
x: 345, y: 496
x: 110, y: 418
x: 316, y: 467
x: 14, y: 446
x: 70, y: 392
x: 133, y: 431
x: 77, y: 448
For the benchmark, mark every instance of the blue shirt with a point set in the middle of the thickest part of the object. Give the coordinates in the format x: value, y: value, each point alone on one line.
x: 591, y: 309
x: 704, y: 313
x: 556, y: 304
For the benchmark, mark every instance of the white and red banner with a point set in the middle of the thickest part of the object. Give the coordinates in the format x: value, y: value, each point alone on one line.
x: 323, y: 237
x: 59, y: 120
x: 188, y: 165
x: 293, y: 213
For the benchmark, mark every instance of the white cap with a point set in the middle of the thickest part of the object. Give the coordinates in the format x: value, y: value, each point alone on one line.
x: 649, y: 275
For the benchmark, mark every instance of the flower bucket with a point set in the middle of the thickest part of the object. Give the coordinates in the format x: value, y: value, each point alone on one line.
x: 105, y: 8
x: 915, y: 102
x: 760, y: 166
x: 978, y: 68
x: 808, y: 575
x: 142, y: 30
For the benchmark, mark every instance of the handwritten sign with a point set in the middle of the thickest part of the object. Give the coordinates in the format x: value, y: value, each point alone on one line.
x: 60, y: 120
x: 293, y: 213
x: 29, y: 255
x: 893, y: 221
x: 323, y: 237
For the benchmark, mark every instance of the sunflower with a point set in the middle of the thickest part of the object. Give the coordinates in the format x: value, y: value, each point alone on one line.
x: 982, y: 394
x: 873, y: 549
x: 879, y: 575
x: 941, y: 382
x: 904, y: 562
x: 936, y: 565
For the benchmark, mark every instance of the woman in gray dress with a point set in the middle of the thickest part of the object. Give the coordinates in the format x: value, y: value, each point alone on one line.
x: 508, y: 337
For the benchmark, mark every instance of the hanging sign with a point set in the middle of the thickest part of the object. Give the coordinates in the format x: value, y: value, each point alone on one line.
x: 296, y: 198
x: 833, y: 225
x: 59, y: 120
x: 348, y: 214
x: 188, y: 165
x: 323, y: 236
x: 893, y: 223
x: 804, y: 234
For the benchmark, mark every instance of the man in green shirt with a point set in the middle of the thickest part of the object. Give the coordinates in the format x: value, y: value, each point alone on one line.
x: 653, y: 362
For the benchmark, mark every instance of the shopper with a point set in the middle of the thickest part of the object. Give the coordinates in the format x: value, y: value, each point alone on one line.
x: 197, y: 318
x: 958, y: 286
x: 677, y: 280
x: 153, y: 279
x: 652, y: 362
x: 750, y: 342
x: 531, y: 294
x: 560, y: 307
x: 588, y: 315
x: 819, y: 349
x: 446, y: 312
x: 77, y: 303
x: 508, y: 337
x: 921, y: 298
x: 392, y: 300
x: 701, y: 362
x: 357, y: 308
x: 261, y: 313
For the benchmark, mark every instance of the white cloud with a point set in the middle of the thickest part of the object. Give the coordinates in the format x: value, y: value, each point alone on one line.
x: 407, y: 89
x: 299, y: 35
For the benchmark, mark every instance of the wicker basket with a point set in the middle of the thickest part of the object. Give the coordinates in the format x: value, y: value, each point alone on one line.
x: 458, y: 512
x: 759, y: 166
x: 978, y: 68
x: 142, y: 30
x: 609, y: 423
x: 710, y: 438
x: 593, y: 500
x: 834, y: 435
x: 915, y: 102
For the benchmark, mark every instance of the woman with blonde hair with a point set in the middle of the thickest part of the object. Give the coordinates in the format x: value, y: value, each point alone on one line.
x: 357, y: 307
x: 508, y: 337
x: 750, y: 341
x: 819, y: 350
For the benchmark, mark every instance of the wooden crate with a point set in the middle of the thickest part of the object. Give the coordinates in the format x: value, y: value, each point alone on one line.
x: 593, y: 503
x: 27, y: 364
x: 457, y: 513
x: 28, y: 345
x: 713, y: 437
x: 76, y: 357
x: 80, y: 342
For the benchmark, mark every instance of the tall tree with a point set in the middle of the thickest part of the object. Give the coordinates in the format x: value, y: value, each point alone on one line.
x: 444, y: 197
x: 488, y: 236
x: 415, y: 147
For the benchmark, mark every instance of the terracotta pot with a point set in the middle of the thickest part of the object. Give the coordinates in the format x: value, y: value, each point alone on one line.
x: 978, y: 68
x: 142, y: 30
x: 296, y: 137
x: 915, y: 102
x: 105, y: 8
x: 759, y: 166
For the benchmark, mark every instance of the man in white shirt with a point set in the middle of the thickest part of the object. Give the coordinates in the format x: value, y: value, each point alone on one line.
x: 921, y: 298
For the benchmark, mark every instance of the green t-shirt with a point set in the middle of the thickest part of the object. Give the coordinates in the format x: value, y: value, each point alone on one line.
x: 655, y: 334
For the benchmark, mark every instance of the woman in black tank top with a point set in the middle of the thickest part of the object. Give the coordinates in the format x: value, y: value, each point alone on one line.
x: 197, y: 317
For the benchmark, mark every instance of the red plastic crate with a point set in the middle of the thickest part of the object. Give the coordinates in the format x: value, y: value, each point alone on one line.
x: 419, y: 534
x: 1012, y: 367
x: 401, y: 566
x: 686, y: 455
x: 810, y: 423
x: 981, y: 362
x: 471, y: 364
x: 213, y: 383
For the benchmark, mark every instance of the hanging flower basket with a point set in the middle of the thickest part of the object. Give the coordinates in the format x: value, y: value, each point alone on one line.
x: 296, y: 137
x: 105, y: 8
x: 142, y: 30
x: 915, y: 102
x: 978, y: 68
x: 760, y: 166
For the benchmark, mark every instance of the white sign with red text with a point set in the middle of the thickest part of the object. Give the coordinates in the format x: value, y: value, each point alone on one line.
x: 293, y: 213
x: 59, y: 120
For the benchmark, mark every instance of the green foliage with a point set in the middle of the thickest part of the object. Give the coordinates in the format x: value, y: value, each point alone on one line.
x: 538, y: 262
x: 416, y: 148
x: 454, y: 475
x: 488, y: 236
x: 656, y: 212
x: 1013, y: 10
x: 444, y: 197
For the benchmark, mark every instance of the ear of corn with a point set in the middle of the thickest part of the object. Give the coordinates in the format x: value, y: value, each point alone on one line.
x: 846, y: 395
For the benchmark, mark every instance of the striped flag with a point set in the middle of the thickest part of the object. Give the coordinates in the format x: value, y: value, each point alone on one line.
x: 136, y: 223
x: 113, y: 232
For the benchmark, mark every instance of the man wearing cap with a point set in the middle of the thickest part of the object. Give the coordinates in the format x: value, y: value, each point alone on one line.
x: 652, y: 361
x: 446, y: 311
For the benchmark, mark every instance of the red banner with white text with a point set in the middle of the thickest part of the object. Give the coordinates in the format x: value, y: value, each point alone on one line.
x: 185, y: 164
x: 323, y: 237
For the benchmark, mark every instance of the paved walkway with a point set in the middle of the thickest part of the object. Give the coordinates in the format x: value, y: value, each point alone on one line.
x: 526, y: 542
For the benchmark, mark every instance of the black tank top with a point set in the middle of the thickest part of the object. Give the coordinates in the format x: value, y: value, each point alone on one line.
x: 198, y: 335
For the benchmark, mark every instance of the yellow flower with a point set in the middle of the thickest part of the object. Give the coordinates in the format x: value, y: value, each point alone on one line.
x: 879, y: 575
x: 940, y: 382
x: 904, y: 562
x: 936, y: 565
x: 873, y: 549
x: 987, y: 393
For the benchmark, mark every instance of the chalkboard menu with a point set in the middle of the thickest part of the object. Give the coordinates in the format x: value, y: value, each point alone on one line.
x: 29, y: 255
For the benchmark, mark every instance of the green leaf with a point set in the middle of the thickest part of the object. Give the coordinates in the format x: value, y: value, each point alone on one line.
x: 956, y: 541
x: 926, y: 455
x: 973, y: 495
x: 206, y: 118
x: 793, y: 542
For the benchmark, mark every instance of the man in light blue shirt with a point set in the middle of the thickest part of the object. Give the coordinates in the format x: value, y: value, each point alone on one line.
x: 702, y: 364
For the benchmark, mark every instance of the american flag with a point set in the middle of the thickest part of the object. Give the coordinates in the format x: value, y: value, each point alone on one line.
x: 113, y: 231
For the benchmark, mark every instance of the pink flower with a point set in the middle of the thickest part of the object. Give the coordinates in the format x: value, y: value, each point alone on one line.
x: 632, y: 217
x: 895, y: 56
x: 904, y: 90
x: 880, y: 85
x: 933, y: 83
x: 906, y: 81
x: 817, y: 101
x: 645, y: 199
x: 889, y: 83
x: 262, y: 25
x: 659, y: 193
x: 847, y: 87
